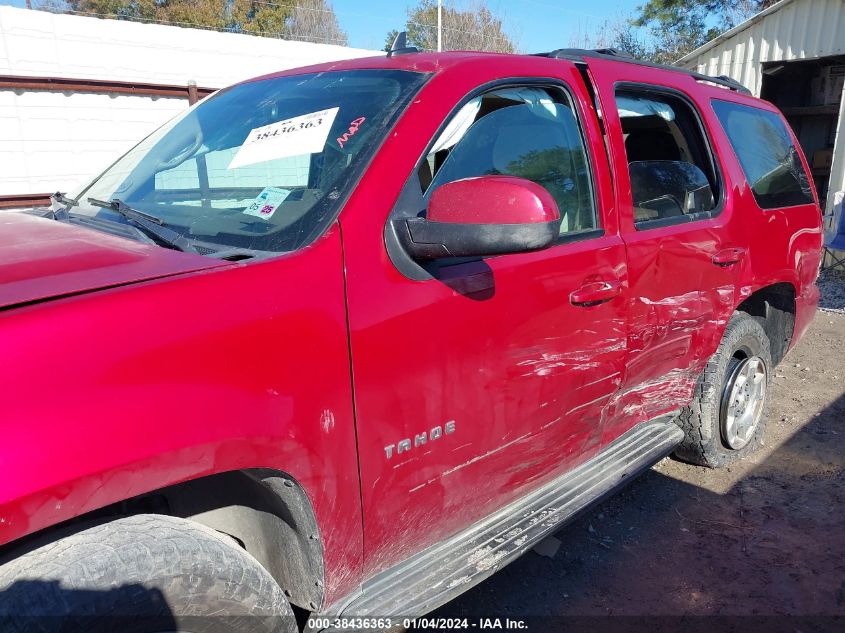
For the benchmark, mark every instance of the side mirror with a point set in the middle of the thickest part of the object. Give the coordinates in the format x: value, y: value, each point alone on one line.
x: 487, y: 215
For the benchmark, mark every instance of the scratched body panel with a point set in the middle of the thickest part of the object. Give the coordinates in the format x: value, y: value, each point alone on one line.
x: 680, y: 300
x: 496, y: 346
x: 172, y: 382
x: 488, y: 378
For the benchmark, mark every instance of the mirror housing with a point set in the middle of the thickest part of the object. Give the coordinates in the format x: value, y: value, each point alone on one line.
x: 481, y: 216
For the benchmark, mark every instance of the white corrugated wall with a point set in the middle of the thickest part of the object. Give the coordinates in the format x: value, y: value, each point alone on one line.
x: 58, y: 140
x: 788, y: 30
x: 836, y: 191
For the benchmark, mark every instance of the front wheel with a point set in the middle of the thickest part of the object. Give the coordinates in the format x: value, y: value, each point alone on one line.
x: 142, y: 574
x: 726, y: 420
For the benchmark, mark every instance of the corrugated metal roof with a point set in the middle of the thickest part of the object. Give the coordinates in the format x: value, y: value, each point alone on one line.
x: 731, y: 32
x: 788, y: 30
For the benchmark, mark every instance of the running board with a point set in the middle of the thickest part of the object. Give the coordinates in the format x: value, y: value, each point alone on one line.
x: 443, y: 571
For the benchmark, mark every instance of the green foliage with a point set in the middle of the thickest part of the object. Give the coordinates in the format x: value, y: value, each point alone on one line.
x: 388, y: 40
x: 239, y: 16
x: 677, y: 27
x: 305, y: 20
x: 541, y: 165
x: 563, y: 172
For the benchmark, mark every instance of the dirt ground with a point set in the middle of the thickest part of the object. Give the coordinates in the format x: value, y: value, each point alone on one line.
x: 765, y: 537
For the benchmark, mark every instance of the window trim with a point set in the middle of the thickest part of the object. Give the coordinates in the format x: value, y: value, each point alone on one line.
x: 715, y: 165
x: 796, y: 145
x: 413, y: 269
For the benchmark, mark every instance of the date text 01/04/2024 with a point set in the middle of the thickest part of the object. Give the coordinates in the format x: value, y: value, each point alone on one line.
x: 416, y: 624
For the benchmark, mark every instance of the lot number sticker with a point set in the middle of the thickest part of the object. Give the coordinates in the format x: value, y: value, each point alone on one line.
x: 265, y: 205
x: 305, y: 134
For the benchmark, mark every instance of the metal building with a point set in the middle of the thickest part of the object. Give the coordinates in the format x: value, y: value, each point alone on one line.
x: 793, y: 54
x: 76, y: 92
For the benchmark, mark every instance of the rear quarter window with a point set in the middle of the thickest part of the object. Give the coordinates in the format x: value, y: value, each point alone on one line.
x: 767, y: 155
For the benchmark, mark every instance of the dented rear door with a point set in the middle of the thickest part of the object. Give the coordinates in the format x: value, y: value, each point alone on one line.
x: 683, y: 265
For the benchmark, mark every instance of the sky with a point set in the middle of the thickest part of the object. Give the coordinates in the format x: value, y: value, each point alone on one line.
x: 535, y: 25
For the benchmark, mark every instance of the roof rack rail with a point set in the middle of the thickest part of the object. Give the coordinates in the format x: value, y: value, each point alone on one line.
x: 579, y: 54
x: 722, y: 80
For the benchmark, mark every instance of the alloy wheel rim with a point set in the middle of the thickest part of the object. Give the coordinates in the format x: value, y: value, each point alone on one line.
x: 743, y: 402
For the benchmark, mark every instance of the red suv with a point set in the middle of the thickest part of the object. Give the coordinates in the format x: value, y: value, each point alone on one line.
x: 335, y: 344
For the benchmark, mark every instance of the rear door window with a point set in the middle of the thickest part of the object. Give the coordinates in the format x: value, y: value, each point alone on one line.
x: 768, y: 156
x: 673, y: 175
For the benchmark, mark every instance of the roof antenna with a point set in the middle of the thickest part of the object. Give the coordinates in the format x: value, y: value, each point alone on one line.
x: 400, y: 45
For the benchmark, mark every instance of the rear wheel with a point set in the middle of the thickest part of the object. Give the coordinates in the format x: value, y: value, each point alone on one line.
x: 142, y: 574
x: 727, y: 418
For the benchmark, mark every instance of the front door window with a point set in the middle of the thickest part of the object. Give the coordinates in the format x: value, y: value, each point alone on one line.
x: 528, y: 132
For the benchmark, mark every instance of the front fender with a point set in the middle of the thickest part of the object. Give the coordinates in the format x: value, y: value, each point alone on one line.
x: 116, y: 393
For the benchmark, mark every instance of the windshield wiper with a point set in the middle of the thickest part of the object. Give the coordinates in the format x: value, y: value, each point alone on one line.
x: 62, y: 199
x: 150, y: 224
x: 125, y: 210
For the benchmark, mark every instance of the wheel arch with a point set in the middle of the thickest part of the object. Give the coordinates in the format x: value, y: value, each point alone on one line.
x: 266, y: 511
x: 773, y: 306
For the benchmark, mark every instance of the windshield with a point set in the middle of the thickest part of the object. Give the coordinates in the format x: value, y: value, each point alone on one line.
x: 262, y: 165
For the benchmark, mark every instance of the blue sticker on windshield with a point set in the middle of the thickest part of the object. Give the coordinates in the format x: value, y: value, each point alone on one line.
x: 266, y: 203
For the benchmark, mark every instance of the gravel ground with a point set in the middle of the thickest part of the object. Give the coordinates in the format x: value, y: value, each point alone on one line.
x: 832, y: 286
x: 764, y: 537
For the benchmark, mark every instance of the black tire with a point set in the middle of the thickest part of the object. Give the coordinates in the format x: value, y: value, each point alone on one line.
x: 704, y: 442
x: 142, y: 574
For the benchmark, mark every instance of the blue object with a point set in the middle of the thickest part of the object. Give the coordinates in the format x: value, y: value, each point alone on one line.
x: 836, y: 241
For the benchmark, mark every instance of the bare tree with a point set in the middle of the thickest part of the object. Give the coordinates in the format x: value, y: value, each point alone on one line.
x: 475, y: 28
x: 616, y: 33
x: 315, y: 21
x: 663, y: 31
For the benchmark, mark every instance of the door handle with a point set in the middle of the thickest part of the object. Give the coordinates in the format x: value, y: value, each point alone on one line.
x: 596, y: 292
x: 729, y: 256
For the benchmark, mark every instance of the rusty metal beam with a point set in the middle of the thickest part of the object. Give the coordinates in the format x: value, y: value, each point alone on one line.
x: 193, y: 92
x: 24, y: 200
x: 190, y: 91
x: 66, y: 84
